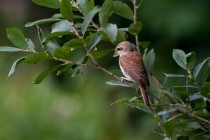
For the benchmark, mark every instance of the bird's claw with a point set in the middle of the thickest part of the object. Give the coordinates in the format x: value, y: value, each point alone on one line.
x: 122, y: 79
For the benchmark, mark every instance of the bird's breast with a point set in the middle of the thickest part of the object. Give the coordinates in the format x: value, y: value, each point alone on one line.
x: 125, y: 73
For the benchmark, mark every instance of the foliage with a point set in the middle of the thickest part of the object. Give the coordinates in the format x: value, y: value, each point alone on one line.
x: 179, y: 110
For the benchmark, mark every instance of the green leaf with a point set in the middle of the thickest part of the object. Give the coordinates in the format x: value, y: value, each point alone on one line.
x: 121, y: 36
x: 54, y: 4
x: 30, y: 44
x: 78, y: 70
x: 62, y: 52
x: 94, y: 41
x: 206, y: 72
x: 75, y: 43
x: 41, y: 21
x: 168, y: 128
x: 122, y: 9
x: 180, y: 57
x: 36, y: 57
x: 88, y: 18
x: 101, y: 53
x: 144, y: 44
x: 191, y: 57
x: 66, y: 9
x: 174, y: 75
x: 14, y: 65
x: 149, y: 61
x: 205, y: 90
x: 135, y: 28
x: 41, y: 35
x: 51, y: 45
x: 105, y: 12
x: 10, y: 49
x: 117, y: 83
x: 85, y: 5
x: 200, y: 66
x: 123, y: 100
x: 111, y: 31
x: 83, y: 59
x: 92, y: 4
x: 103, y: 18
x: 17, y: 37
x: 60, y: 28
x: 64, y: 69
x: 46, y: 72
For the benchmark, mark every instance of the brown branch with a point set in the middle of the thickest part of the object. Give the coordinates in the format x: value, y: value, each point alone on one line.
x: 134, y: 21
x: 193, y: 116
x: 85, y: 46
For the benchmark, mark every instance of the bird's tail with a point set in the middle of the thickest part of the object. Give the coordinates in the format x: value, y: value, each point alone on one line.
x: 144, y: 96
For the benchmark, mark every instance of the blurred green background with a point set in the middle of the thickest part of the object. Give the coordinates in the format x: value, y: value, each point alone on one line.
x: 79, y: 108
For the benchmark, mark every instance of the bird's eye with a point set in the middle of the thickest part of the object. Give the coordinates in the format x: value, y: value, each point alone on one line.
x: 119, y: 49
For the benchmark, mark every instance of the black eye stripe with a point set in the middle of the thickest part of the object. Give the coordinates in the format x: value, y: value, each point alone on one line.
x: 119, y: 49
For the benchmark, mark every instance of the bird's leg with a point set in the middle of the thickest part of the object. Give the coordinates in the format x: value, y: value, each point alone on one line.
x: 124, y: 79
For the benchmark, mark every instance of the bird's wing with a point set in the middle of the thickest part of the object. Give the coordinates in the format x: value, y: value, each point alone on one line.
x: 134, y: 67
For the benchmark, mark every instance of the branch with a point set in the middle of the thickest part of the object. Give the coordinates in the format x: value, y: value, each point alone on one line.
x: 85, y: 46
x: 134, y: 21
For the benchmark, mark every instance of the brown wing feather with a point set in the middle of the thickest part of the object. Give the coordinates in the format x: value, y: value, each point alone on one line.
x: 130, y: 62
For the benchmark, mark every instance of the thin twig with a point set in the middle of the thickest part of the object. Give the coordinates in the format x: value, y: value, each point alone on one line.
x: 85, y: 46
x: 134, y: 21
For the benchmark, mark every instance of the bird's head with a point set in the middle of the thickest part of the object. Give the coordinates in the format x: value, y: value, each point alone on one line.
x: 123, y: 48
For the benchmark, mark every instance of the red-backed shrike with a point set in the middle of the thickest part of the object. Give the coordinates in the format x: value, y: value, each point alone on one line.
x: 132, y: 67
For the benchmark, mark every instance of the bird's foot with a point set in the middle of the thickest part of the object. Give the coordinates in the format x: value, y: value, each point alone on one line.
x: 123, y: 79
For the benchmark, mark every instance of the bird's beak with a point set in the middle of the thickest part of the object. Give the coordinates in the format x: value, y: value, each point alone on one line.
x: 115, y: 54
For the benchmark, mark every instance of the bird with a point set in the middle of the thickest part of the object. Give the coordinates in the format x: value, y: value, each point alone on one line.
x: 132, y: 67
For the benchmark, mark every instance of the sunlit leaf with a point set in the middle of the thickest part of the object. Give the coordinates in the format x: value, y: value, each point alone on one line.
x: 199, y: 67
x: 14, y: 65
x: 50, y: 46
x: 94, y: 41
x: 122, y: 9
x: 111, y: 31
x: 10, y: 49
x: 88, y: 18
x: 85, y: 5
x: 60, y: 28
x: 174, y: 75
x: 117, y: 83
x: 48, y: 3
x: 66, y: 9
x: 30, y: 44
x: 17, y: 37
x: 180, y: 57
x: 46, y: 72
x: 41, y: 21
